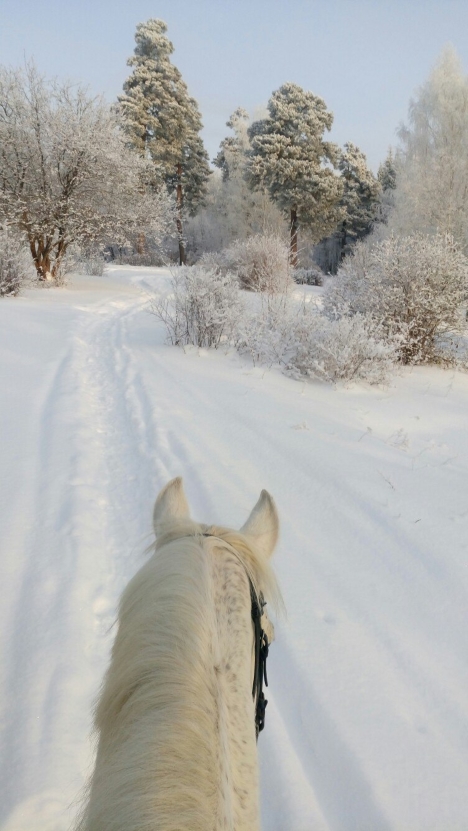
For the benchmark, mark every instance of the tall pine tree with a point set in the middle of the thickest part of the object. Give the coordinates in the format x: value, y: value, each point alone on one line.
x: 291, y: 159
x: 163, y: 122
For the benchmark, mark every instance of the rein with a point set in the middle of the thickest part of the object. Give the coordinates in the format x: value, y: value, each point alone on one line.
x: 261, y: 648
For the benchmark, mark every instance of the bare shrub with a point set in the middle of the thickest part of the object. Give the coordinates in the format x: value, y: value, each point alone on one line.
x: 14, y: 264
x: 203, y: 309
x: 260, y: 262
x: 413, y: 287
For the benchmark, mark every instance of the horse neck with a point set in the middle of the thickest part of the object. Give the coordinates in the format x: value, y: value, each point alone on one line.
x: 176, y: 719
x: 233, y: 661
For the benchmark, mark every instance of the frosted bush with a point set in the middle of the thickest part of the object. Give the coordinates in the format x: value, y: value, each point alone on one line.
x: 351, y: 348
x: 261, y: 263
x: 14, y: 264
x: 213, y: 261
x: 203, y: 309
x: 413, y: 287
x: 269, y: 335
x: 308, y: 344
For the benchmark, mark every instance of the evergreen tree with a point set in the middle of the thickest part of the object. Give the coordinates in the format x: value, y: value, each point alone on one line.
x: 163, y: 121
x: 387, y: 172
x: 290, y: 158
x: 361, y: 191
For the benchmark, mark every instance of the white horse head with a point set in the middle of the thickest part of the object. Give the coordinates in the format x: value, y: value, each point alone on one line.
x: 176, y: 721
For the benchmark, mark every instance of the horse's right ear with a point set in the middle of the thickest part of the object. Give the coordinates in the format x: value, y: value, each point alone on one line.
x: 262, y: 525
x: 170, y: 505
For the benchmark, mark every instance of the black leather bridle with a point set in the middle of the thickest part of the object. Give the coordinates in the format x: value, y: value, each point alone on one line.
x: 261, y: 655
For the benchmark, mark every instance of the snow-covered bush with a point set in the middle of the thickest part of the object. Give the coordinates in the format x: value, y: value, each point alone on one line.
x: 203, y: 309
x: 308, y: 344
x: 309, y: 276
x: 14, y: 264
x: 412, y: 286
x: 260, y: 262
x: 351, y: 348
x: 269, y: 335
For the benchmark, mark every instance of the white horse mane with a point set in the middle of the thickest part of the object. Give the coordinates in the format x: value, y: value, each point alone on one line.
x: 175, y: 717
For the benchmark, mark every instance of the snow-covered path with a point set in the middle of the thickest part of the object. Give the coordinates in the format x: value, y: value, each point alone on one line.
x: 367, y: 725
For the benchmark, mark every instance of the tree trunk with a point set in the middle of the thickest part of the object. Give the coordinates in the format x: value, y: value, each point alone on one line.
x: 293, y: 245
x: 343, y: 238
x: 41, y: 255
x: 180, y: 204
x: 141, y: 244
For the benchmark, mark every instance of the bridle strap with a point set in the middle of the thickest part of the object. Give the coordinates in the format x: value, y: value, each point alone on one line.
x: 261, y: 655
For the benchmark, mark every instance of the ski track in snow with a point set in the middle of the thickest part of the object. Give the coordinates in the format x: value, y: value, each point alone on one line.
x: 367, y: 726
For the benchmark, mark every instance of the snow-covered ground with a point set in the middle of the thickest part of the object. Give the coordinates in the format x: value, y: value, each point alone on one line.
x: 367, y: 725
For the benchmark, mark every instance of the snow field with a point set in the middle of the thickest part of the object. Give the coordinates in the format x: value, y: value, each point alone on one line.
x: 367, y: 723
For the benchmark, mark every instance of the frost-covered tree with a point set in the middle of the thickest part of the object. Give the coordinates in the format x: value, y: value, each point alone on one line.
x: 432, y: 183
x: 361, y: 207
x: 15, y: 263
x: 231, y: 158
x: 66, y: 175
x: 163, y: 122
x: 387, y: 174
x: 238, y: 211
x: 361, y: 192
x: 290, y: 157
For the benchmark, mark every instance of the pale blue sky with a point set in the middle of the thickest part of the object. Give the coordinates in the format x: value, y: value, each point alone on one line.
x: 364, y: 57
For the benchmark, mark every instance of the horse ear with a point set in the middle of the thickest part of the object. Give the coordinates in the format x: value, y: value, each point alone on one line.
x: 262, y: 525
x: 170, y: 505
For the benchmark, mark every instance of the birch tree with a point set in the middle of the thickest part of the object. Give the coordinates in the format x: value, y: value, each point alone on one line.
x: 246, y: 212
x: 66, y: 175
x: 290, y: 157
x: 163, y: 122
x: 432, y: 165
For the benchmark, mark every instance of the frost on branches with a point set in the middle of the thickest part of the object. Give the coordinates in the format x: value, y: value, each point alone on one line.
x: 67, y: 177
x: 163, y: 122
x: 307, y: 344
x: 432, y: 164
x: 290, y: 158
x: 203, y: 308
x: 15, y: 264
x: 261, y: 264
x: 206, y: 307
x: 360, y: 194
x: 414, y: 287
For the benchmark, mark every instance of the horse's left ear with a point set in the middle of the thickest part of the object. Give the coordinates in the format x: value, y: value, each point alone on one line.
x: 262, y: 525
x: 170, y: 505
